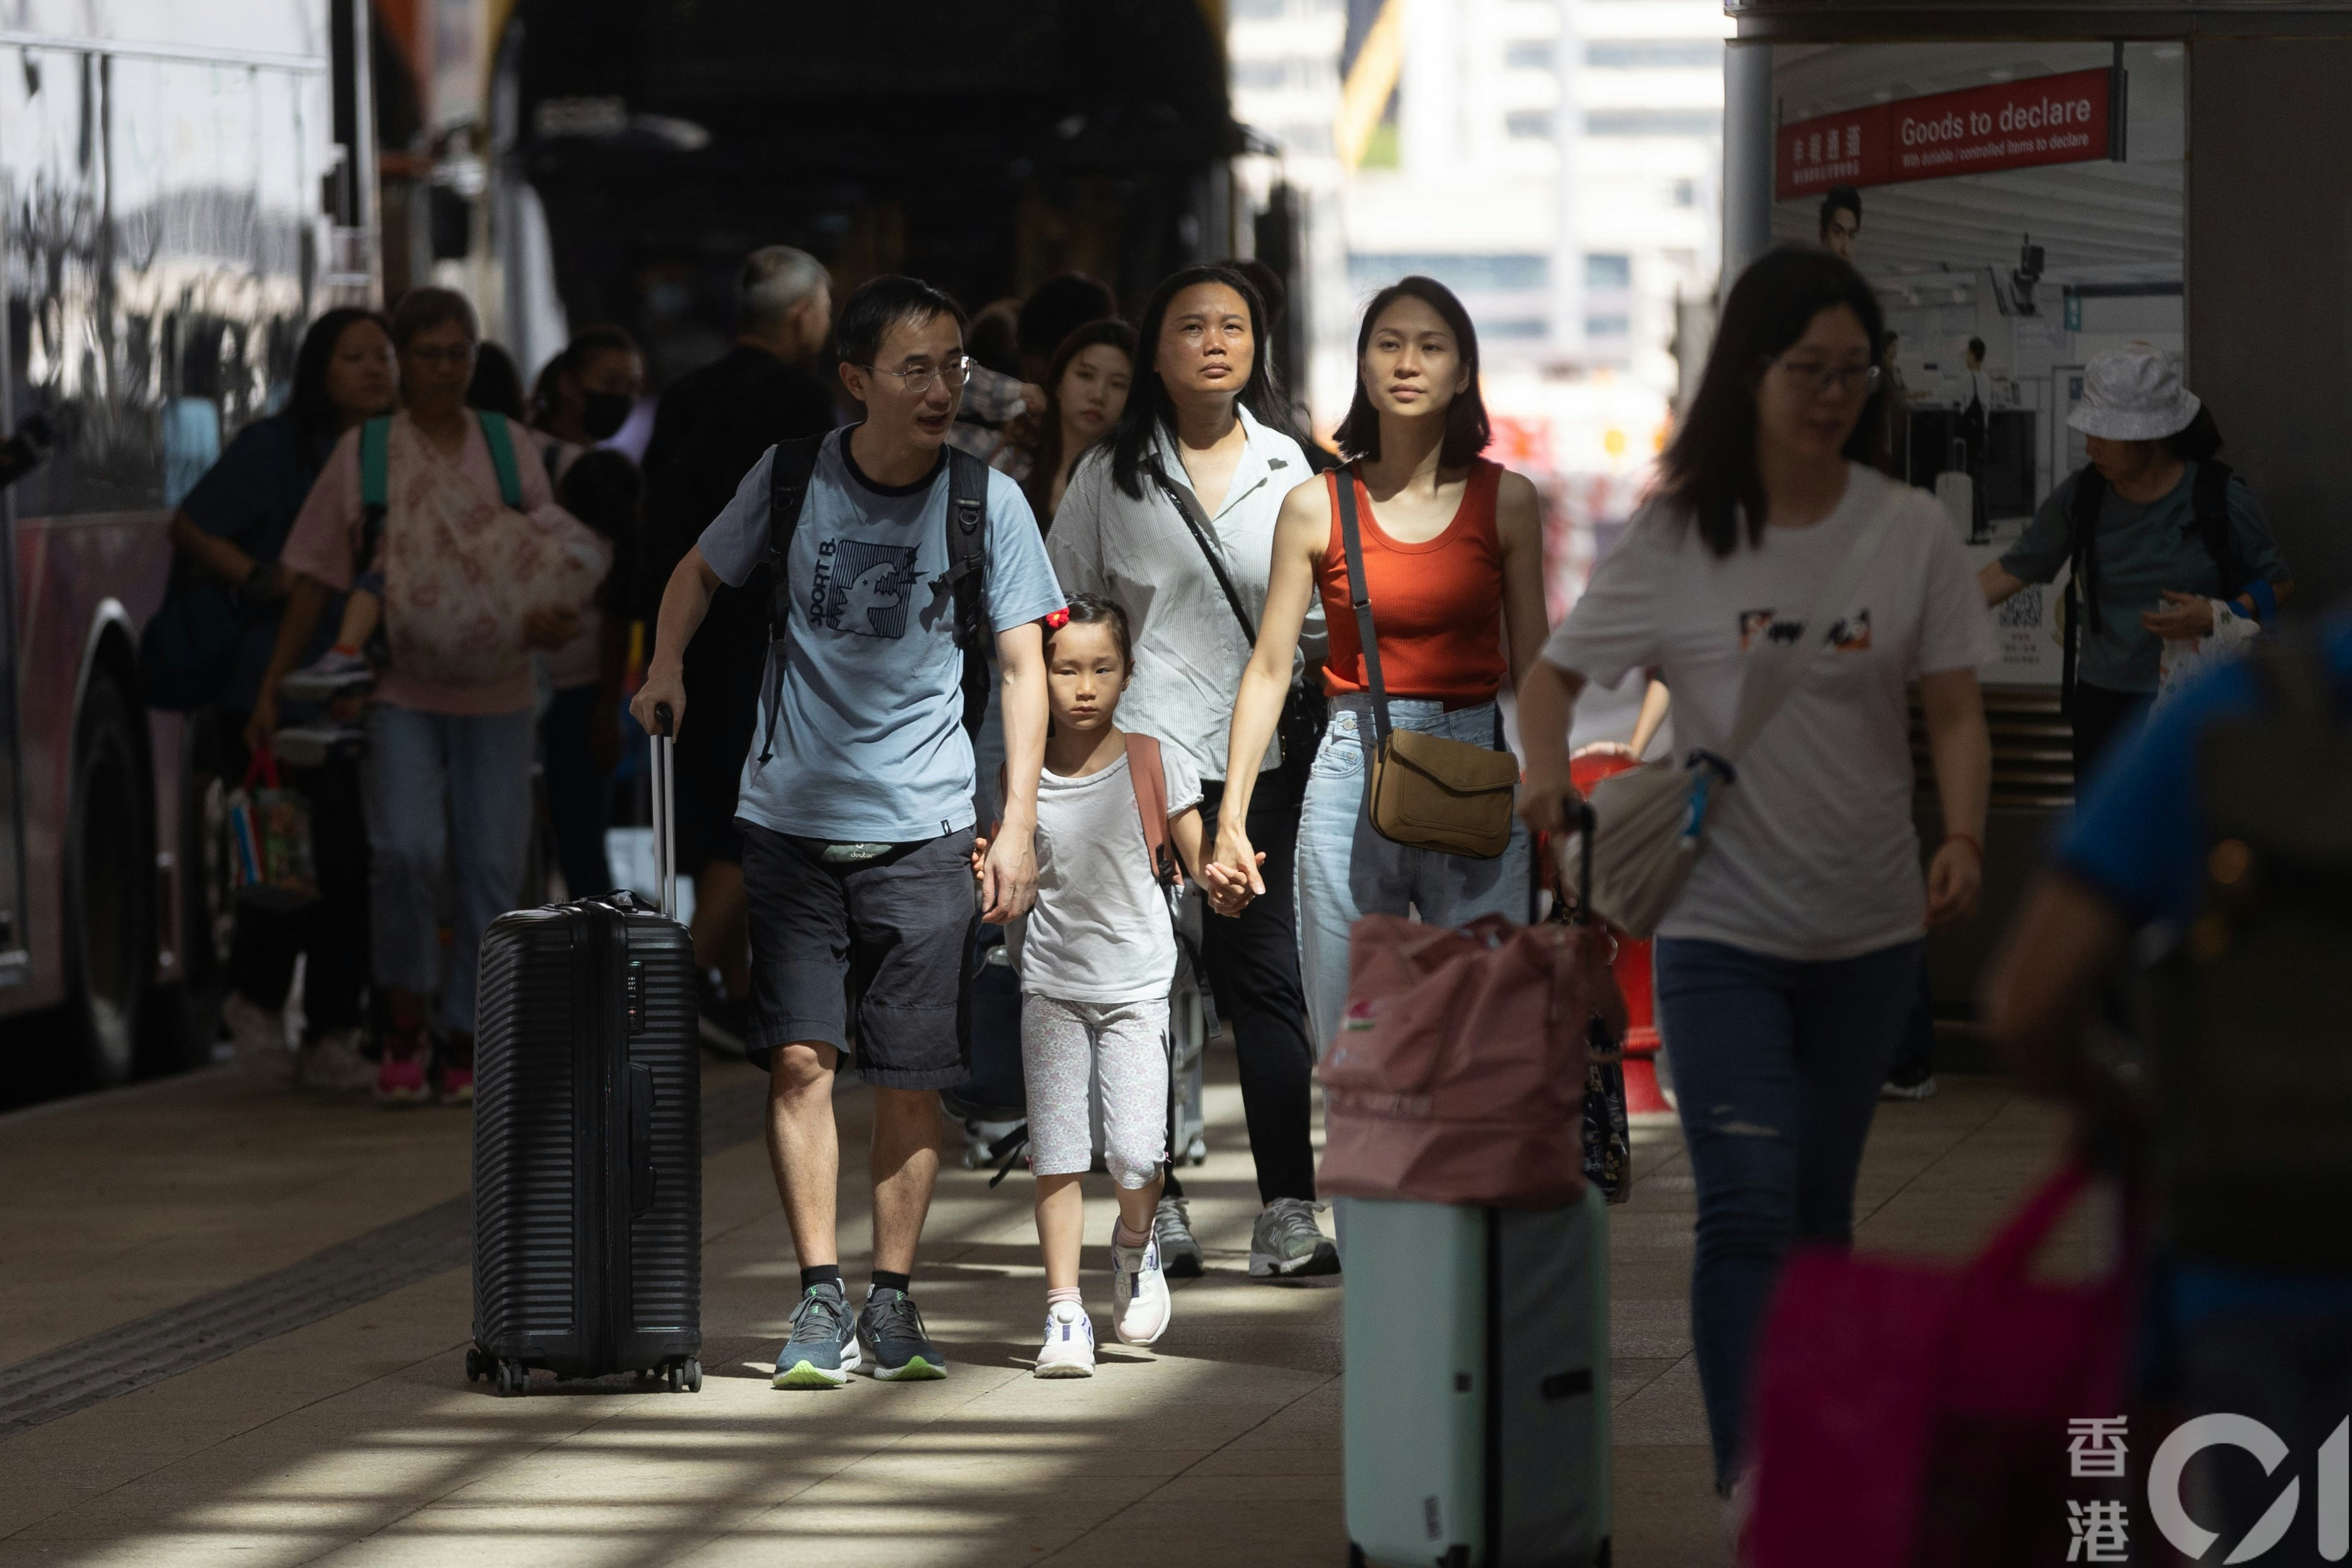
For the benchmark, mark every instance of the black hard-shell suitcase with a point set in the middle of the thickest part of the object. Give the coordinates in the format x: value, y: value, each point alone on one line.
x: 588, y: 1137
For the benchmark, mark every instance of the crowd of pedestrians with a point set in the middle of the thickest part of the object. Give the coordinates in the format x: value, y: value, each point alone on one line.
x: 1195, y: 640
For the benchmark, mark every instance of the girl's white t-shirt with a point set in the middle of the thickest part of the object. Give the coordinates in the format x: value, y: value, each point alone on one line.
x: 1100, y: 930
x: 1812, y: 853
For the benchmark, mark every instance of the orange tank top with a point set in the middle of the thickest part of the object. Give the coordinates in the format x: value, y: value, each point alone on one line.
x: 1437, y: 607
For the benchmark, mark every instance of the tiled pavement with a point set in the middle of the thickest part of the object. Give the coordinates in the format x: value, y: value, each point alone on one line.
x: 356, y: 1440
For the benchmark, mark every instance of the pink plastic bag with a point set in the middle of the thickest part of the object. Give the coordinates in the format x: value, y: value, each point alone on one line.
x: 1911, y: 1416
x: 1458, y: 1074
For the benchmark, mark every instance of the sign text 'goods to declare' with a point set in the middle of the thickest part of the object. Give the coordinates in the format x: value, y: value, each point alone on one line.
x: 2008, y: 125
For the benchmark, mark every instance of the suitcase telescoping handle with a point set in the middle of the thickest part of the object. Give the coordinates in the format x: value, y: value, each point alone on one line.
x: 665, y: 812
x: 1578, y: 811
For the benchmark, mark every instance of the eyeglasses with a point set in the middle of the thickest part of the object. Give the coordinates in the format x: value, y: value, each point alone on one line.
x: 1816, y: 378
x: 953, y: 372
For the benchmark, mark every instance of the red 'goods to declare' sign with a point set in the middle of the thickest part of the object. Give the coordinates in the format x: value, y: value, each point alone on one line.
x: 2008, y: 125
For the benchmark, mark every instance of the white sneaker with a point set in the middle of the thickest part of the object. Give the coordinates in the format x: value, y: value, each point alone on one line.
x: 1140, y: 1305
x: 333, y: 1063
x: 1069, y: 1347
x: 258, y: 1036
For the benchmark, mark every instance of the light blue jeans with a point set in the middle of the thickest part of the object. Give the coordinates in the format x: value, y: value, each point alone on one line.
x: 433, y: 783
x: 1347, y: 870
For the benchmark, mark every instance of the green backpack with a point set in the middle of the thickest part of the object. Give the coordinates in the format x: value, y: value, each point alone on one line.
x: 376, y: 474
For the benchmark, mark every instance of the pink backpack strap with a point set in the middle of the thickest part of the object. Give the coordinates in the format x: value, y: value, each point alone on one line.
x: 1150, y: 780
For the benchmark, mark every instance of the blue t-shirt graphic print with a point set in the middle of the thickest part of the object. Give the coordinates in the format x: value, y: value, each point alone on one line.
x: 862, y: 588
x: 868, y: 742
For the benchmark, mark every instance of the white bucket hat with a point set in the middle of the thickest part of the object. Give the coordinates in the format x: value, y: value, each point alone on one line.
x: 2134, y: 394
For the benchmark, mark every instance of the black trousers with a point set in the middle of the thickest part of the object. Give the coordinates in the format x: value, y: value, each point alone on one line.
x: 333, y: 931
x: 2102, y: 717
x: 1253, y: 965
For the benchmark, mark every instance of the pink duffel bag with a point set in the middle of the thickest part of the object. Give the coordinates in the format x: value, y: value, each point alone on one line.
x: 1458, y: 1073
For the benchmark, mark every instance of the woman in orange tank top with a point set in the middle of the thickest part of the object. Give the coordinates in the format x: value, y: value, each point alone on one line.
x: 1453, y: 549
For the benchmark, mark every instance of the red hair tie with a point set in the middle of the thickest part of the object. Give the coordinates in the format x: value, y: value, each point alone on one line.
x: 1057, y: 620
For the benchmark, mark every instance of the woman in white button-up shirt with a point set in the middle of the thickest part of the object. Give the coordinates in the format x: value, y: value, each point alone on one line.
x: 1203, y: 431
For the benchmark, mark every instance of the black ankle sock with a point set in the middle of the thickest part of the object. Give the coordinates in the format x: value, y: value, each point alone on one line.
x: 823, y: 1274
x: 885, y: 1281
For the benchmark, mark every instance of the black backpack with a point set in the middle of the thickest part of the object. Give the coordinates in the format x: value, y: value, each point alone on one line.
x: 2211, y: 503
x: 788, y: 481
x: 2253, y: 1085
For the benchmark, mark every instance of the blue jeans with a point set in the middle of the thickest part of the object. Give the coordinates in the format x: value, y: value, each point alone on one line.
x: 434, y: 781
x: 1347, y: 870
x: 1778, y: 1064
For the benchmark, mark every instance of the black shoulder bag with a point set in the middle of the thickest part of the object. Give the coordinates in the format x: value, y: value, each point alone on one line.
x: 1304, y: 710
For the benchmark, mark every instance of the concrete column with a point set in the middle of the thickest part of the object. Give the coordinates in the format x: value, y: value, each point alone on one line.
x: 1748, y: 126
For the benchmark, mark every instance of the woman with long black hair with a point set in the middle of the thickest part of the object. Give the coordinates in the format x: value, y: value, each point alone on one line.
x: 1171, y: 519
x: 1452, y: 551
x: 1086, y: 392
x: 1774, y: 559
x: 232, y: 525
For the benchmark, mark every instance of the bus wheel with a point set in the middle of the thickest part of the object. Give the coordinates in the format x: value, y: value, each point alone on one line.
x: 108, y: 886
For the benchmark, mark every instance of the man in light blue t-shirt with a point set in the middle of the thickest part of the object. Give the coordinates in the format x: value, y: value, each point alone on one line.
x: 856, y: 800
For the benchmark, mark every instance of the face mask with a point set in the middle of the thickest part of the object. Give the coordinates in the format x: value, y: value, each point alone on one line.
x: 601, y: 414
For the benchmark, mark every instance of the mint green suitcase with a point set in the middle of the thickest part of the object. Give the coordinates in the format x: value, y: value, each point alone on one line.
x: 1477, y: 1384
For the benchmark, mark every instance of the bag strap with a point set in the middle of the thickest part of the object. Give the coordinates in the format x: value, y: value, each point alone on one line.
x: 2210, y: 499
x: 1360, y: 595
x: 968, y: 577
x: 1149, y: 778
x: 500, y: 437
x: 376, y: 489
x: 1196, y: 517
x: 791, y: 465
x: 1775, y: 671
x: 2010, y: 1253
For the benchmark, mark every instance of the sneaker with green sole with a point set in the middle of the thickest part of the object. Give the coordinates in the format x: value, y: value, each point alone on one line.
x: 823, y: 1350
x: 891, y: 1332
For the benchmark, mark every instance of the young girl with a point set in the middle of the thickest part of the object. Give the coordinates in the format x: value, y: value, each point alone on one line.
x: 1098, y: 957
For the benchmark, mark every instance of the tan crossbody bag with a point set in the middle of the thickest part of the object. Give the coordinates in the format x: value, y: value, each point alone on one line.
x: 1653, y: 820
x: 1426, y: 792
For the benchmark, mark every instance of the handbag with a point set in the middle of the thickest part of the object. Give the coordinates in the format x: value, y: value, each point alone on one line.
x: 1304, y: 710
x: 1910, y: 1415
x: 1460, y: 1073
x: 270, y: 860
x: 1426, y: 792
x: 1653, y: 819
x: 189, y: 647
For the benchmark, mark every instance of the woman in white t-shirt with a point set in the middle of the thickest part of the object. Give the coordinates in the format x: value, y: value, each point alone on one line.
x: 1789, y: 959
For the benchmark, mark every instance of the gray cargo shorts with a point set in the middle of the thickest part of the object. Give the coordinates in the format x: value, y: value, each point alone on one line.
x: 901, y: 925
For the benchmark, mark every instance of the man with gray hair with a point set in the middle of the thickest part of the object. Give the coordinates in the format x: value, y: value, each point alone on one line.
x: 711, y: 426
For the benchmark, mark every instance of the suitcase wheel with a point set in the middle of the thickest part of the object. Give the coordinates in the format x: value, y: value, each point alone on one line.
x: 677, y: 1377
x: 477, y: 1367
x: 514, y: 1378
x: 693, y: 1375
x: 1196, y: 1152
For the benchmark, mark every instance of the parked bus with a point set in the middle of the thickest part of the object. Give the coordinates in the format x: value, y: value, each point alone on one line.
x: 185, y: 186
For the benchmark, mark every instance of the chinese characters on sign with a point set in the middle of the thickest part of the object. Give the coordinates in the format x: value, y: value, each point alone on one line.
x: 1976, y: 131
x: 2097, y: 1530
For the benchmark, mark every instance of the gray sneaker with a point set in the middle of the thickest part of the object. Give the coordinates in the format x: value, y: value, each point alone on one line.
x: 334, y: 1063
x: 1171, y: 1227
x: 822, y: 1351
x: 1286, y: 1243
